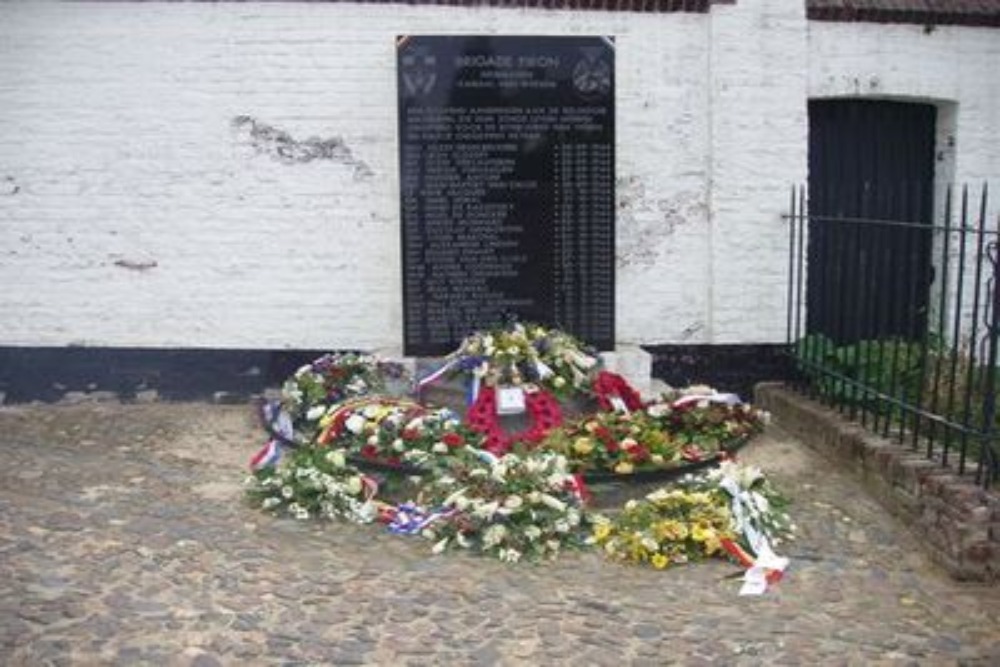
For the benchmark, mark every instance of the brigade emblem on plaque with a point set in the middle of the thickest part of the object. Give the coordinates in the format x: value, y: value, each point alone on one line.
x: 592, y: 75
x: 419, y: 72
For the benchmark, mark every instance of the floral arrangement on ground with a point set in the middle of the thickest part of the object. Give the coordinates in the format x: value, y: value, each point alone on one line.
x: 665, y: 434
x: 340, y: 443
x: 520, y: 354
x: 326, y: 382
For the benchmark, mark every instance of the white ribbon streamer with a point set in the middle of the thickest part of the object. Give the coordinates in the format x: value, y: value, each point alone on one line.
x: 755, y: 578
x: 725, y: 399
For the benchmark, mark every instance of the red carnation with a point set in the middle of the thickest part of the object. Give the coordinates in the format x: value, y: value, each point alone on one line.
x: 452, y: 439
x: 369, y: 452
x: 638, y: 454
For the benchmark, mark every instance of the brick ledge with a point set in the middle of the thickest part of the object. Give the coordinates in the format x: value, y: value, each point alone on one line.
x: 959, y: 522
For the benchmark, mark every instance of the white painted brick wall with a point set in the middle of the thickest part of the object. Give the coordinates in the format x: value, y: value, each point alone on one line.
x: 759, y: 141
x: 133, y: 212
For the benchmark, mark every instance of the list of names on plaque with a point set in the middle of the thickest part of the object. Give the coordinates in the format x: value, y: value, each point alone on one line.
x: 507, y: 186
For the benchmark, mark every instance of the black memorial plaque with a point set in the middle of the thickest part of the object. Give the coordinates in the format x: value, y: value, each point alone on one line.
x: 507, y: 186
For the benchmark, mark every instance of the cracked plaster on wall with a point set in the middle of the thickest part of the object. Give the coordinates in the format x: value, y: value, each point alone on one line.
x: 644, y: 223
x: 280, y: 145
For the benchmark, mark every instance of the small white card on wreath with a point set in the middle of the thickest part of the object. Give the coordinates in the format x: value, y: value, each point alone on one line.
x: 618, y: 405
x: 510, y: 400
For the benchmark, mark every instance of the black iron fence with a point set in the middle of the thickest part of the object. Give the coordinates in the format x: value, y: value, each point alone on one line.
x: 897, y: 324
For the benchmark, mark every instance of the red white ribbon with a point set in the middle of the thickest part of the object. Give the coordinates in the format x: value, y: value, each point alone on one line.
x: 763, y: 565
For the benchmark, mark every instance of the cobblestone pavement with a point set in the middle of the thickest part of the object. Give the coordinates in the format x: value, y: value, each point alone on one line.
x: 123, y: 540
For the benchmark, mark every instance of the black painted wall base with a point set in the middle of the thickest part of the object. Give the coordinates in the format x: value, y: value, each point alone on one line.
x: 729, y: 368
x: 50, y: 374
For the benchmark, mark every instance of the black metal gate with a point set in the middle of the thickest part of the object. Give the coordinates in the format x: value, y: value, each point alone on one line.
x: 869, y: 160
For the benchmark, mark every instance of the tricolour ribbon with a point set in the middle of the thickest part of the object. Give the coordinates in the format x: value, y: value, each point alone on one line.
x: 472, y: 389
x: 411, y: 519
x: 269, y: 455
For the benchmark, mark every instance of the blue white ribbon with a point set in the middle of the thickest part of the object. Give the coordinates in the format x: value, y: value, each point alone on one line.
x: 279, y: 421
x: 435, y: 376
x: 411, y: 519
x: 488, y: 457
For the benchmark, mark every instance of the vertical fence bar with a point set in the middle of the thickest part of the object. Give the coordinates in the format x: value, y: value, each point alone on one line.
x: 802, y: 222
x: 795, y: 250
x: 925, y: 322
x: 802, y: 314
x: 971, y: 371
x: 826, y: 308
x: 942, y: 318
x: 888, y: 380
x: 955, y: 352
x: 874, y: 345
x: 833, y: 237
x: 909, y: 318
x: 986, y: 467
x: 791, y: 270
x: 865, y: 312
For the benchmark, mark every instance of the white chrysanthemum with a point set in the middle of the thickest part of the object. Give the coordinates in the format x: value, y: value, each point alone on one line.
x: 353, y: 485
x: 494, y: 535
x: 535, y: 464
x: 355, y: 424
x: 366, y: 512
x: 510, y: 555
x: 416, y: 457
x: 513, y: 502
x: 455, y: 497
x: 557, y: 480
x: 486, y: 510
x: 335, y: 457
x: 553, y: 502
